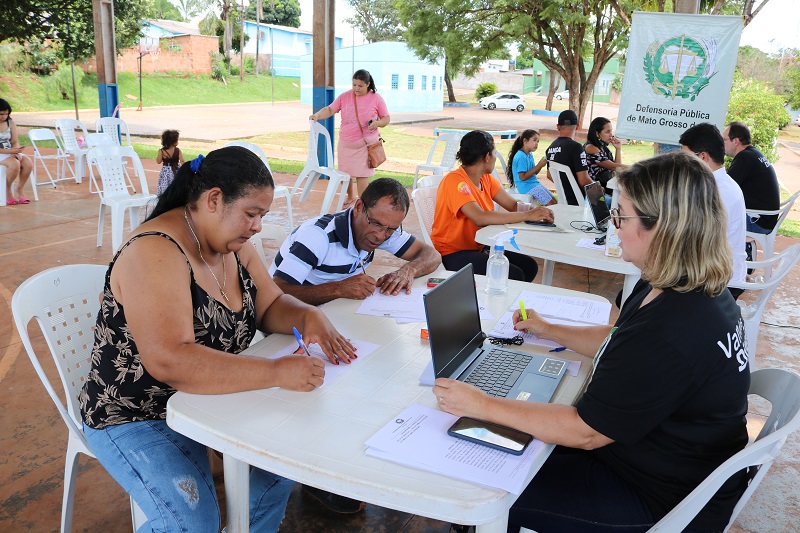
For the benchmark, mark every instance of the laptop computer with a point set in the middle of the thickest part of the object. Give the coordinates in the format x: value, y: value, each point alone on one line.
x: 596, y: 197
x: 458, y: 352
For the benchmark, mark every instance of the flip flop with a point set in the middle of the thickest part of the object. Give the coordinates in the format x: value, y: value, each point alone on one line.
x: 23, y: 200
x: 12, y: 201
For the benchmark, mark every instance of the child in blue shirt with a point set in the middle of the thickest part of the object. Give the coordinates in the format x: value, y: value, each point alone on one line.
x: 523, y: 169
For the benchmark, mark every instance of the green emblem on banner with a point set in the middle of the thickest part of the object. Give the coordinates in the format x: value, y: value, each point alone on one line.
x: 680, y: 66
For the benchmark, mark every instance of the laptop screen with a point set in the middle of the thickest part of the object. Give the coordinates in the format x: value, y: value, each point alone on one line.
x: 597, y: 201
x: 454, y: 324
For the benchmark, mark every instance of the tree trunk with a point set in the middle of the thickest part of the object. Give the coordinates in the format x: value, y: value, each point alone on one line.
x: 451, y: 96
x: 554, y: 79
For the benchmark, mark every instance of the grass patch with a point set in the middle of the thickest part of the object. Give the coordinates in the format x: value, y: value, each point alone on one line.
x: 27, y: 92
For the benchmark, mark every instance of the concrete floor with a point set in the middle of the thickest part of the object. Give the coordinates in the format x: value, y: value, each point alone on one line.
x: 61, y: 229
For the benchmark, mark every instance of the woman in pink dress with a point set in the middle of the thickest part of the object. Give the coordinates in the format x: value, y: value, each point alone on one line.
x: 356, y: 128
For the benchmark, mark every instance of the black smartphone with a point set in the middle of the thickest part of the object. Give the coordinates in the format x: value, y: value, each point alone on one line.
x: 540, y: 223
x: 600, y: 240
x: 432, y: 282
x: 492, y: 435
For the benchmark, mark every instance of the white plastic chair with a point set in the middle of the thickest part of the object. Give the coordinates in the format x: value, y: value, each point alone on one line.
x: 780, y: 265
x: 64, y: 302
x: 109, y: 164
x: 313, y: 170
x: 782, y: 389
x: 114, y: 128
x: 556, y: 169
x: 425, y: 206
x: 3, y: 198
x: 451, y: 141
x: 767, y: 241
x: 503, y: 167
x: 269, y: 232
x: 68, y: 130
x: 430, y: 181
x: 281, y: 191
x: 60, y: 157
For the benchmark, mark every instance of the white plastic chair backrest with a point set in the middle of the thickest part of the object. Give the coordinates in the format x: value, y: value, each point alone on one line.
x: 786, y: 206
x: 64, y: 301
x: 99, y: 139
x: 43, y: 134
x: 782, y: 389
x: 115, y: 128
x: 253, y: 148
x: 108, y: 162
x: 452, y: 142
x: 318, y: 130
x: 425, y: 206
x: 67, y: 129
x: 780, y: 265
x: 555, y: 170
x: 269, y: 232
x: 504, y: 177
x: 432, y: 180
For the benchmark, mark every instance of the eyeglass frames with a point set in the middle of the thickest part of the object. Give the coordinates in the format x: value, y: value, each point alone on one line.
x: 616, y: 218
x: 380, y: 227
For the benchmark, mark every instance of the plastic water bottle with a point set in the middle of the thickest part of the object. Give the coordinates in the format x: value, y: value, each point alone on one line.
x: 497, y: 272
x: 497, y: 265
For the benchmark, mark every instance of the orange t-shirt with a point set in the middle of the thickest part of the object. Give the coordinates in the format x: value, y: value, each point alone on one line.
x: 452, y: 231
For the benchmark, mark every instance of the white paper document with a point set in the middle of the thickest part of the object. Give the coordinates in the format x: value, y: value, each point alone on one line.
x: 566, y: 307
x: 418, y: 438
x: 363, y: 350
x: 504, y: 328
x: 404, y: 308
x: 589, y: 243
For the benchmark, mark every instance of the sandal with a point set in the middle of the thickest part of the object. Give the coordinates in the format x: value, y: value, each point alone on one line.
x: 12, y: 201
x: 23, y: 200
x: 334, y: 502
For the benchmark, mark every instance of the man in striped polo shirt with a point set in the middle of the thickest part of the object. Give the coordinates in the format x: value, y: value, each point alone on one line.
x: 326, y: 258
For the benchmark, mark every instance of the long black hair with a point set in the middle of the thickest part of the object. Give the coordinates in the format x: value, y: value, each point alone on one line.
x: 516, y: 147
x: 5, y: 106
x: 235, y: 170
x: 593, y: 135
x: 366, y: 77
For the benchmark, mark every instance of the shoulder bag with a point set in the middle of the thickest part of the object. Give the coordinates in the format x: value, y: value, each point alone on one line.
x: 375, y: 153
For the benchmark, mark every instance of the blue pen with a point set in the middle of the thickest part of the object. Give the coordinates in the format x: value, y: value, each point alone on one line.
x: 300, y: 340
x: 559, y: 349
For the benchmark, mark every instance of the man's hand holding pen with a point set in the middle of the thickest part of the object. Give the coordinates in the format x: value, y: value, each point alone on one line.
x: 356, y: 287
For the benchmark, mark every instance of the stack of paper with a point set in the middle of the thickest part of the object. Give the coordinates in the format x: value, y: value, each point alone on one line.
x: 402, y: 307
x: 418, y: 438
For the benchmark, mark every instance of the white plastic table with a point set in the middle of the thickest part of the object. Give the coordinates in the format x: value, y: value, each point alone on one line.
x: 562, y: 248
x: 317, y: 438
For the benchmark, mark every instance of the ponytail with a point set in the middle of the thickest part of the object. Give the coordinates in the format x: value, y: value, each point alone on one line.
x: 516, y: 147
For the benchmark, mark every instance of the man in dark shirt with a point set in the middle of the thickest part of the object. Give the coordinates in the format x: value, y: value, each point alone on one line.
x: 566, y: 151
x: 754, y: 174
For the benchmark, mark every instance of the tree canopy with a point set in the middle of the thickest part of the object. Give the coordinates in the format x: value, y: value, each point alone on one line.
x: 283, y: 13
x: 377, y: 20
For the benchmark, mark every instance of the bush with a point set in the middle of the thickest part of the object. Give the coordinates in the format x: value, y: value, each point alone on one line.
x: 12, y: 57
x: 59, y: 84
x: 757, y: 105
x: 218, y: 68
x: 41, y: 58
x: 485, y: 89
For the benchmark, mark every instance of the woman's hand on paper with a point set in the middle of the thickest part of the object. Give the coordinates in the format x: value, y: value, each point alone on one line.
x: 318, y: 329
x: 534, y: 324
x: 459, y: 398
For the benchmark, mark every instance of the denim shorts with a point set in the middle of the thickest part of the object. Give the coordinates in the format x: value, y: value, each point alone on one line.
x: 169, y: 477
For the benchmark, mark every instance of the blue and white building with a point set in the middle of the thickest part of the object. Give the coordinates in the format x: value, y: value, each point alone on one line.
x: 284, y: 43
x: 407, y: 83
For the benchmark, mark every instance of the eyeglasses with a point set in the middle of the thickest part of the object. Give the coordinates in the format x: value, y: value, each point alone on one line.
x: 380, y: 227
x: 616, y: 218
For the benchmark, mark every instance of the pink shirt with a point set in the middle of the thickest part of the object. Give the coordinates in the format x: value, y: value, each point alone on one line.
x: 370, y: 106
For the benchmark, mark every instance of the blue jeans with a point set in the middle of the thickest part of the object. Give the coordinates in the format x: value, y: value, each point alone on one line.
x: 169, y: 478
x: 752, y: 227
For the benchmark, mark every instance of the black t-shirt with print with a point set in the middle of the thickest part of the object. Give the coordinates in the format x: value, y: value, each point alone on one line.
x: 759, y: 183
x: 670, y: 388
x: 570, y: 153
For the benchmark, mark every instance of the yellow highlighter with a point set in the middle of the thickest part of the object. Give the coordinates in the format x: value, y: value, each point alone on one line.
x: 522, y: 310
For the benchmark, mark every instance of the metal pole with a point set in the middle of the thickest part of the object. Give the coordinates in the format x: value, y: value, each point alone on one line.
x: 74, y: 90
x: 241, y: 45
x: 140, y: 81
x: 258, y: 37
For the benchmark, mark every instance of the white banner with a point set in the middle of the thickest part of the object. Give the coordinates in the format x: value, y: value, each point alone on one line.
x: 679, y: 71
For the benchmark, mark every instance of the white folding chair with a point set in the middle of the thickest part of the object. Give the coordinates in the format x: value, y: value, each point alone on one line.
x: 69, y: 130
x: 313, y: 170
x: 108, y: 161
x: 452, y: 142
x: 39, y: 135
x: 782, y: 389
x: 3, y: 198
x: 269, y: 232
x: 780, y: 265
x: 114, y: 128
x: 503, y: 167
x: 281, y: 191
x: 425, y: 206
x: 556, y: 169
x: 767, y: 241
x: 63, y: 300
x: 432, y: 180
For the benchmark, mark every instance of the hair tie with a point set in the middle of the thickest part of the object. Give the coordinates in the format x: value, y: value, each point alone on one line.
x: 196, y: 162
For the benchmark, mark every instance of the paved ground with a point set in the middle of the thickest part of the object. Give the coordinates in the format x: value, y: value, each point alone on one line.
x: 61, y: 229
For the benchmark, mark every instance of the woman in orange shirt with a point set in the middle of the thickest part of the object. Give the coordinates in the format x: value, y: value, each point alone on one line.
x: 465, y: 203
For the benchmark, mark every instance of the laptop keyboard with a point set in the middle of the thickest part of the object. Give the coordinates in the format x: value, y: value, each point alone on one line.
x: 498, y: 372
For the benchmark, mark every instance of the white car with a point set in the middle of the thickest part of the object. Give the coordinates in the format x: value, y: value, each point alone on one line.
x: 563, y: 95
x: 503, y: 101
